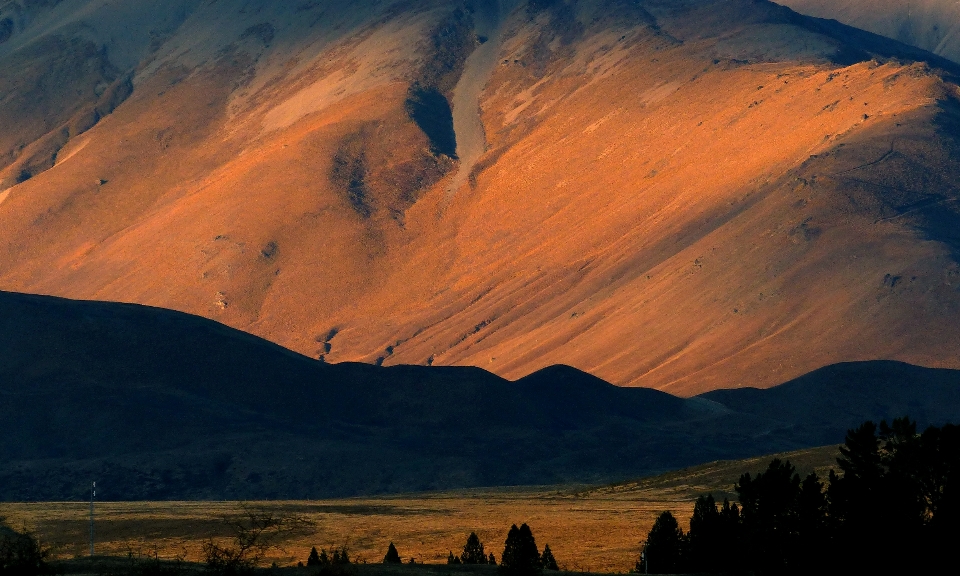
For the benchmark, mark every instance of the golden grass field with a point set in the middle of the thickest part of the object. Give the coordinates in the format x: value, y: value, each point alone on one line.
x: 594, y: 529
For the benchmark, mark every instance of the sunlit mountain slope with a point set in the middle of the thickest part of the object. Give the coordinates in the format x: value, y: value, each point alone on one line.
x: 683, y: 195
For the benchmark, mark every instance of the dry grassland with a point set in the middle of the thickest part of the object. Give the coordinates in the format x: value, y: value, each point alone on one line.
x: 588, y: 528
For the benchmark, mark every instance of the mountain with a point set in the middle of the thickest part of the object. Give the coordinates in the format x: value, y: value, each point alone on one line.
x: 683, y: 195
x: 155, y: 404
x: 933, y: 25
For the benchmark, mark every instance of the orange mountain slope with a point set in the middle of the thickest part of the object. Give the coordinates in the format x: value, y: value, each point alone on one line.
x: 684, y: 195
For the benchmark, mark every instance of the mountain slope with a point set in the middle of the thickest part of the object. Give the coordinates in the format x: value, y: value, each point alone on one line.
x: 678, y: 195
x: 933, y: 25
x: 154, y: 404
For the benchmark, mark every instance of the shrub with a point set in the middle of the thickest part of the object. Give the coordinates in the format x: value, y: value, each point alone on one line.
x: 21, y: 554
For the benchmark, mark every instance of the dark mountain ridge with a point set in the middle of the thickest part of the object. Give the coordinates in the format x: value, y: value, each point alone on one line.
x: 157, y: 404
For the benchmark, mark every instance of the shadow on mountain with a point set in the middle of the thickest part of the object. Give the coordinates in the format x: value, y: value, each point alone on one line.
x: 154, y: 404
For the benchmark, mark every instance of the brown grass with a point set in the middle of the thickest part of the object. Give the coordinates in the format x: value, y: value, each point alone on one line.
x: 588, y: 528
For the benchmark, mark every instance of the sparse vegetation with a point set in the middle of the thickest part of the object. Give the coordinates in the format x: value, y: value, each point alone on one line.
x: 21, y: 553
x: 254, y: 533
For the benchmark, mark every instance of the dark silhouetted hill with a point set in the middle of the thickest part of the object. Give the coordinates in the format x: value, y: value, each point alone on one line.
x: 157, y: 404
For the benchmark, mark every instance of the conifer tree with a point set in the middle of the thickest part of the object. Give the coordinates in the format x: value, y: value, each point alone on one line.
x: 392, y: 556
x: 520, y: 554
x: 473, y: 551
x: 314, y: 558
x: 663, y: 550
x: 547, y: 561
x: 704, y: 536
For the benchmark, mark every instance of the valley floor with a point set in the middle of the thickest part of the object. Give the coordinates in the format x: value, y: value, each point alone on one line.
x: 117, y: 566
x: 589, y: 529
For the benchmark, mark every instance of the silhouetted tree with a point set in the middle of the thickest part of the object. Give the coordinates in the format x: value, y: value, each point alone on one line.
x: 254, y: 532
x: 473, y: 551
x: 663, y: 549
x: 940, y: 453
x: 813, y: 535
x: 520, y: 554
x: 547, y: 561
x: 770, y: 516
x: 492, y: 560
x: 340, y: 556
x: 895, y: 488
x: 392, y: 556
x: 314, y: 558
x: 451, y: 559
x: 704, y: 538
x: 21, y: 554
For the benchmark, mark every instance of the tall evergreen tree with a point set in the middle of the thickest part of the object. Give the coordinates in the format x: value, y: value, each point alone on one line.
x: 520, y: 554
x: 547, y: 561
x: 771, y: 516
x: 857, y: 499
x: 314, y: 558
x: 705, y: 535
x: 812, y: 523
x: 392, y: 556
x: 663, y: 550
x: 473, y: 551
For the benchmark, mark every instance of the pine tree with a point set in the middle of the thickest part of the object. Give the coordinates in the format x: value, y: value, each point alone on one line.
x: 392, y: 556
x: 451, y: 559
x: 313, y: 559
x: 704, y: 535
x: 771, y: 516
x: 492, y: 560
x: 520, y: 554
x: 547, y: 561
x: 473, y: 551
x: 663, y: 549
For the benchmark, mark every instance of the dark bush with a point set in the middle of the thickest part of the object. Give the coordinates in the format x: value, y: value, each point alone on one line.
x: 21, y: 554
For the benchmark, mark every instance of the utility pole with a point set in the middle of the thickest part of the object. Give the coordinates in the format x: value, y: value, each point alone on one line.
x: 93, y: 495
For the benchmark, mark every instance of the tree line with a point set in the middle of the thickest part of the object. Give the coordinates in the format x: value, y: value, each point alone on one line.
x: 893, y: 505
x: 520, y: 557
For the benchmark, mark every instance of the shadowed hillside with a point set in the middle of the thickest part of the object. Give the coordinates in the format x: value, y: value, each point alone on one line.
x: 933, y: 25
x: 154, y: 404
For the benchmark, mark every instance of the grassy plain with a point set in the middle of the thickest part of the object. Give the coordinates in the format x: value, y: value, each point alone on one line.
x: 594, y: 529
